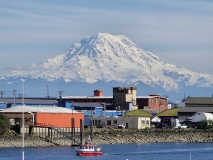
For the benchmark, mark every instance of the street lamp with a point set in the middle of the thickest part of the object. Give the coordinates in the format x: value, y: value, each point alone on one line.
x: 22, y: 118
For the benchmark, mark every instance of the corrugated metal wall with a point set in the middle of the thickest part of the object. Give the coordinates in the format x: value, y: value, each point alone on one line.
x: 59, y: 119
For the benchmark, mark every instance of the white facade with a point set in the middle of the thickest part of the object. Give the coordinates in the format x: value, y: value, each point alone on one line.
x: 128, y: 122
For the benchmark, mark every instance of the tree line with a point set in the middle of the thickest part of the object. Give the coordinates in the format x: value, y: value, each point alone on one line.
x: 4, y: 124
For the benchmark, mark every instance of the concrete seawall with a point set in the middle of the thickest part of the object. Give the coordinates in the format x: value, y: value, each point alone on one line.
x: 116, y: 136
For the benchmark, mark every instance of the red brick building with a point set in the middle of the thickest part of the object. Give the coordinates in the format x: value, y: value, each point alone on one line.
x: 98, y: 93
x: 153, y: 102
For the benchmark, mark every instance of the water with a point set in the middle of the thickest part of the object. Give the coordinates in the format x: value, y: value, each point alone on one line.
x: 148, y: 151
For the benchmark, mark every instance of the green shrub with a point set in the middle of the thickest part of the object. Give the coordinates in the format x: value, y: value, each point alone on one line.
x: 4, y: 124
x: 210, y: 123
x: 205, y: 124
x: 89, y: 115
x: 202, y: 124
x: 147, y: 129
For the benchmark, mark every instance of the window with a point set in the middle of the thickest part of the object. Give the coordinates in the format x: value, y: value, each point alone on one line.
x: 115, y: 122
x: 143, y: 123
x: 99, y: 122
x: 96, y: 122
x: 147, y: 123
x: 108, y: 122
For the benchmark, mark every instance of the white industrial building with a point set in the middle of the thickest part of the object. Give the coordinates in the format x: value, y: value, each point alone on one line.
x: 127, y: 122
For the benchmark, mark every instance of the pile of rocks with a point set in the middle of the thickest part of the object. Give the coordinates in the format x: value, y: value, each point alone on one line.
x: 115, y: 136
x: 150, y: 136
x: 16, y: 141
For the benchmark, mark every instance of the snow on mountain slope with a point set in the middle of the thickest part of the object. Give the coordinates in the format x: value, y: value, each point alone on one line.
x: 108, y: 58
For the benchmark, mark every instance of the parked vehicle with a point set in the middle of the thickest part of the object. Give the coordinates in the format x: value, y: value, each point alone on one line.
x: 171, y: 123
x: 152, y: 126
x: 161, y: 125
x: 158, y: 125
x: 182, y: 126
x: 121, y: 126
x: 99, y: 126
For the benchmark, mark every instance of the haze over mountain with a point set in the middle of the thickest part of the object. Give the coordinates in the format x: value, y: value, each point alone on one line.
x: 113, y: 60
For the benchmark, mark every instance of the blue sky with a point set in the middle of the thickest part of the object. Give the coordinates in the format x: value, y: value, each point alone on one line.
x: 179, y: 31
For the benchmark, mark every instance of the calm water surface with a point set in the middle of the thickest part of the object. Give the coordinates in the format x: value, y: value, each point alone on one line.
x: 148, y: 151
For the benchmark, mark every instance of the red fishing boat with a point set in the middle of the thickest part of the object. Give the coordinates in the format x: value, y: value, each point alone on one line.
x: 88, y: 149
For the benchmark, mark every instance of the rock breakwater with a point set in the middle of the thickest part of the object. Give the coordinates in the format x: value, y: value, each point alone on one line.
x: 150, y: 136
x: 115, y: 136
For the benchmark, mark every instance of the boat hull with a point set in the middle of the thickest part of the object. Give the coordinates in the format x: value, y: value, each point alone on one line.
x: 88, y: 153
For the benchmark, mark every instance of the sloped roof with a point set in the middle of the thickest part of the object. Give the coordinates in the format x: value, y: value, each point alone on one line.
x: 75, y: 104
x: 147, y: 97
x: 138, y: 113
x: 199, y: 100
x: 169, y: 112
x: 18, y: 109
x: 196, y: 109
x: 87, y: 97
x: 30, y: 101
x: 105, y: 97
x: 152, y: 111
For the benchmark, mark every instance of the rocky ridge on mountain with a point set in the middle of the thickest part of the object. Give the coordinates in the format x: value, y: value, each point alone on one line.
x: 111, y: 59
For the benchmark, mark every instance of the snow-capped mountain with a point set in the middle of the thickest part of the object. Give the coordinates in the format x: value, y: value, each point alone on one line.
x: 110, y: 58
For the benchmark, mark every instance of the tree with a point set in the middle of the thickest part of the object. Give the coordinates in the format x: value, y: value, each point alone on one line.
x: 89, y: 115
x: 4, y: 124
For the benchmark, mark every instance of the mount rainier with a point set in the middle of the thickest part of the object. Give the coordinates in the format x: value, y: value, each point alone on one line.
x: 104, y: 61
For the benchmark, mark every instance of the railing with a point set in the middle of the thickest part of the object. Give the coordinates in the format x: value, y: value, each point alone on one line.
x: 43, y: 125
x: 64, y: 134
x: 58, y: 130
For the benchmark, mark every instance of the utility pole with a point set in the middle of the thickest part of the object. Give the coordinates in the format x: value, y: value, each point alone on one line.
x: 60, y: 96
x: 48, y: 96
x: 1, y: 93
x: 14, y: 94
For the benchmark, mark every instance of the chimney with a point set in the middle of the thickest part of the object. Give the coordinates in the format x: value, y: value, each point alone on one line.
x: 98, y: 93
